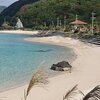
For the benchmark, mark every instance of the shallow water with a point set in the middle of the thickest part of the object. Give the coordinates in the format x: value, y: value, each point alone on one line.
x: 18, y: 58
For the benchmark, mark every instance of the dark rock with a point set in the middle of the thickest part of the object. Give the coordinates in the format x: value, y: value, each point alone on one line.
x: 93, y: 94
x: 61, y: 66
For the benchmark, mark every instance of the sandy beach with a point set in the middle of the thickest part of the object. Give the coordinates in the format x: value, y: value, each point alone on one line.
x: 19, y: 32
x: 85, y: 72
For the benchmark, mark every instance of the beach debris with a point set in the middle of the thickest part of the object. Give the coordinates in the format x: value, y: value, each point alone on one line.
x: 61, y: 66
x: 93, y: 94
x: 45, y: 33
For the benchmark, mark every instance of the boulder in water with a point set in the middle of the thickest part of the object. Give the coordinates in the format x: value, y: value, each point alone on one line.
x: 61, y: 66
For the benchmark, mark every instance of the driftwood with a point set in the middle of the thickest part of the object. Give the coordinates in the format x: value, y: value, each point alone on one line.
x: 93, y: 94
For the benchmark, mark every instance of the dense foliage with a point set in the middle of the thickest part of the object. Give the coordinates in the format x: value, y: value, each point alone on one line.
x: 47, y: 12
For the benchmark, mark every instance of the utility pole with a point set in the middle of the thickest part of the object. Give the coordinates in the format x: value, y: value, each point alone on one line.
x: 93, y: 22
x: 64, y: 22
x: 57, y: 21
x: 60, y: 22
x: 76, y: 20
x: 52, y: 24
x: 76, y: 17
x: 45, y: 24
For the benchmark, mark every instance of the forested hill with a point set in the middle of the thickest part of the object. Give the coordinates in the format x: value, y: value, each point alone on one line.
x: 2, y: 8
x: 11, y: 11
x: 46, y: 12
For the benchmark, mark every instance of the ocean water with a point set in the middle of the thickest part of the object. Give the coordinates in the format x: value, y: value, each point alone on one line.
x: 19, y: 58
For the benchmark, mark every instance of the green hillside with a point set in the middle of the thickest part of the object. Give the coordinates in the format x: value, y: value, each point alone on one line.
x: 47, y: 12
x: 2, y: 8
x: 11, y: 11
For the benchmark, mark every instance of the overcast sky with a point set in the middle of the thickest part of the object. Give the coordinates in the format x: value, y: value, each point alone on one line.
x: 7, y: 2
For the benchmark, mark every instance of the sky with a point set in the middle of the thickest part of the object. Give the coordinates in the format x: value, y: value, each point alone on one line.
x: 7, y: 2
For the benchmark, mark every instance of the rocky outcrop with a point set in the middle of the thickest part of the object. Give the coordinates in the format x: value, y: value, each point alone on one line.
x: 61, y: 66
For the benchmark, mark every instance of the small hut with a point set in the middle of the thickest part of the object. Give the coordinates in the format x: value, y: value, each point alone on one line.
x: 78, y: 22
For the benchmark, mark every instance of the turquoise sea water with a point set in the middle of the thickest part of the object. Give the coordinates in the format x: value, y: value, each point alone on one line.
x: 18, y: 59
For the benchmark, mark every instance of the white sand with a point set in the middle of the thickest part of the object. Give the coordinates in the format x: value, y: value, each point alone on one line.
x: 19, y: 32
x: 85, y: 73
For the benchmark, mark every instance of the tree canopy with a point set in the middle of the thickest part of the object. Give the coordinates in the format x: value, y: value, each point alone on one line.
x: 43, y: 12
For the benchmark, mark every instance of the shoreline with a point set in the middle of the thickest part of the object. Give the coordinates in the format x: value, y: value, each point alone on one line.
x: 84, y: 73
x: 19, y: 32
